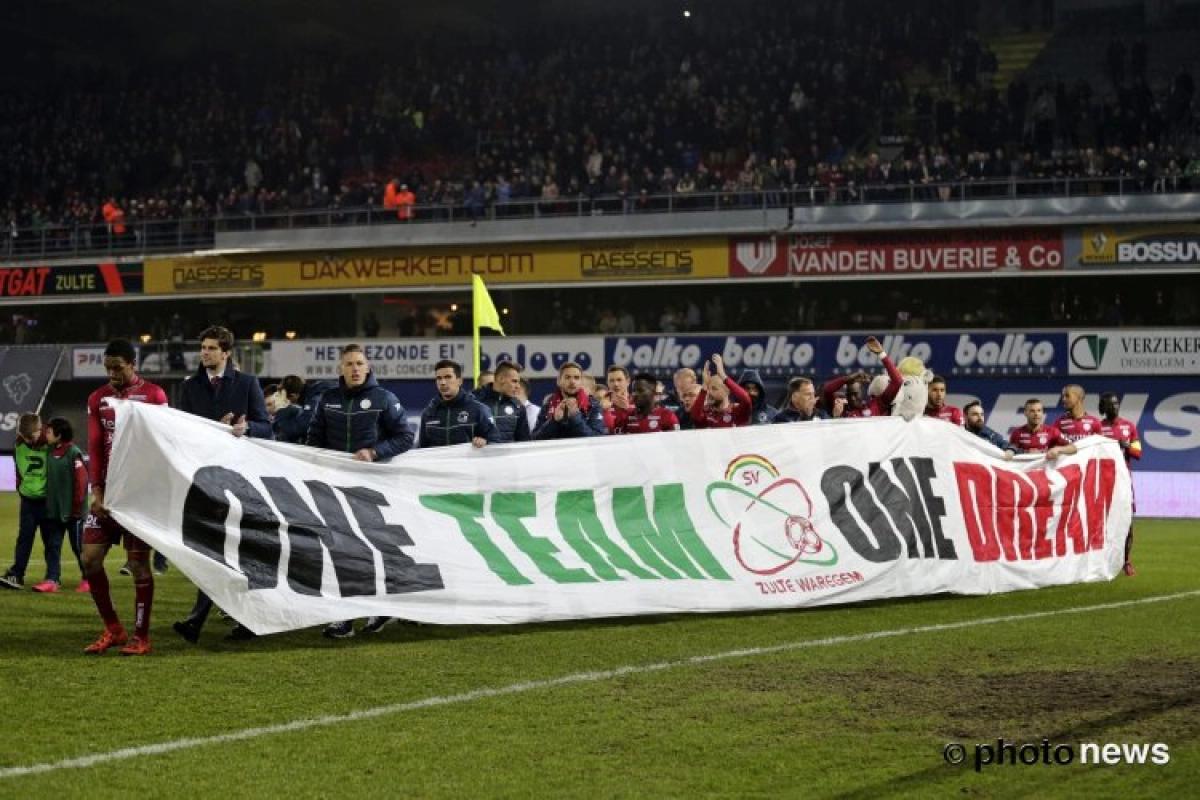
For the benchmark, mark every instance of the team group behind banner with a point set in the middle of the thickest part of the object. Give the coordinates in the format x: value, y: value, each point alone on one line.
x: 286, y: 537
x: 533, y: 263
x: 1002, y: 370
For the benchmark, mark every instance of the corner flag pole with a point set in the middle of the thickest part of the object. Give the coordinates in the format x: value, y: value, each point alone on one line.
x: 483, y: 313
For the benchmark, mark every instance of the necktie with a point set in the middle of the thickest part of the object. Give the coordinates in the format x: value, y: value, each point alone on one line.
x: 215, y: 381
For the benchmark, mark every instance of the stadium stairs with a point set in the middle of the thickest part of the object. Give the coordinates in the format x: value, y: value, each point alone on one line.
x: 1015, y: 51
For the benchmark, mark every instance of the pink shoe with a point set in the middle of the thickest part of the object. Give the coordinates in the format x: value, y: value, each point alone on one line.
x: 1128, y: 569
x: 46, y: 587
x: 83, y: 588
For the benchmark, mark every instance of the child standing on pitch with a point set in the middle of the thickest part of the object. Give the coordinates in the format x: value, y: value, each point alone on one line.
x: 30, y: 461
x: 66, y: 499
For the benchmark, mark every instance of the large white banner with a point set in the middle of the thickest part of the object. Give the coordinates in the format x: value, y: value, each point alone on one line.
x: 779, y: 516
x: 414, y: 359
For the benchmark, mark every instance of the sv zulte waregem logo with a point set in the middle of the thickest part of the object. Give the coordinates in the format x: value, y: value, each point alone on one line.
x: 771, y: 517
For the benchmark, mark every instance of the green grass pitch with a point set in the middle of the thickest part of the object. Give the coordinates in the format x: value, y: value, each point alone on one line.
x: 618, y: 708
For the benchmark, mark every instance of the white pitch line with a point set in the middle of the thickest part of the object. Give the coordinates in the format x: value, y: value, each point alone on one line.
x: 84, y: 762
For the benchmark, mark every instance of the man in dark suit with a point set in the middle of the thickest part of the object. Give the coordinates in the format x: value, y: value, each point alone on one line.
x: 221, y: 392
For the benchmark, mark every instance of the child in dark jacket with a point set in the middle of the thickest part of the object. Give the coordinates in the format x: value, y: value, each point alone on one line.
x: 66, y: 500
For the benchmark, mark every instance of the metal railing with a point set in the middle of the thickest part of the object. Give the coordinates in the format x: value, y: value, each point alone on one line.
x: 148, y: 237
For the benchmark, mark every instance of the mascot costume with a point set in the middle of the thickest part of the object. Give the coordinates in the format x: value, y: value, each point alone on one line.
x: 913, y: 396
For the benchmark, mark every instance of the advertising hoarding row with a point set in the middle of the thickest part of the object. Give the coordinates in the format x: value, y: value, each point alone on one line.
x: 807, y: 256
x: 414, y: 359
x: 1155, y: 247
x: 896, y: 253
x: 504, y: 264
x: 108, y: 279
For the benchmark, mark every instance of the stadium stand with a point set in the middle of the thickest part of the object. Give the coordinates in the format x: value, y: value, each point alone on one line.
x: 616, y: 109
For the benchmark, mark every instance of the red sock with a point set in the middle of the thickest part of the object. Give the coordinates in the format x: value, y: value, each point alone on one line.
x: 98, y: 581
x: 143, y: 599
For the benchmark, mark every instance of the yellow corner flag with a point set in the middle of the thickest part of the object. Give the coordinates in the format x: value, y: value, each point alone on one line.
x: 484, y: 313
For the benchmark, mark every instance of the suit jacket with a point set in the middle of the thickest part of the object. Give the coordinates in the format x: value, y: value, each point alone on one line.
x: 238, y: 394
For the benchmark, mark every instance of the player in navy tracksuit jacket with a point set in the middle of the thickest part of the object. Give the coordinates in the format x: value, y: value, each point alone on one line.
x: 455, y: 416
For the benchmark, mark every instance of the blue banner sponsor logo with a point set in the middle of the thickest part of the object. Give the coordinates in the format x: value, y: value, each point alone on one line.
x: 772, y: 355
x: 781, y: 356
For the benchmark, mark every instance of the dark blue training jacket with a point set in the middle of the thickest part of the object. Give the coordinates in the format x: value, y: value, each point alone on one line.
x: 367, y: 416
x: 762, y: 412
x: 291, y: 422
x: 508, y: 414
x: 456, y: 421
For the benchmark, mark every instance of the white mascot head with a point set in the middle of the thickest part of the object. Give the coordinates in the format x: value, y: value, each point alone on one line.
x: 913, y: 396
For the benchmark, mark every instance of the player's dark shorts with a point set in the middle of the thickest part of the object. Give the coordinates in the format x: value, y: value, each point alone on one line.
x: 106, y: 531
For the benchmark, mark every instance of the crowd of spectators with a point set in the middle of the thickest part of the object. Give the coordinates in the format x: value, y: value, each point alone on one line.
x: 744, y: 99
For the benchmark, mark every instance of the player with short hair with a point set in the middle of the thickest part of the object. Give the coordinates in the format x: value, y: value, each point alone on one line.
x: 722, y: 403
x: 502, y: 399
x: 1076, y: 423
x: 101, y: 531
x: 454, y: 416
x: 644, y: 415
x: 1114, y: 426
x: 975, y: 423
x: 619, y: 400
x: 937, y: 407
x: 679, y: 402
x: 364, y: 419
x: 569, y: 412
x: 1036, y: 437
x: 801, y: 405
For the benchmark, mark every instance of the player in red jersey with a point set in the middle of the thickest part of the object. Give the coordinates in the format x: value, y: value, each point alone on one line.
x: 1076, y: 423
x: 721, y: 402
x: 1126, y: 434
x: 101, y: 531
x: 937, y: 407
x: 1034, y: 437
x: 643, y: 415
x: 856, y: 405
